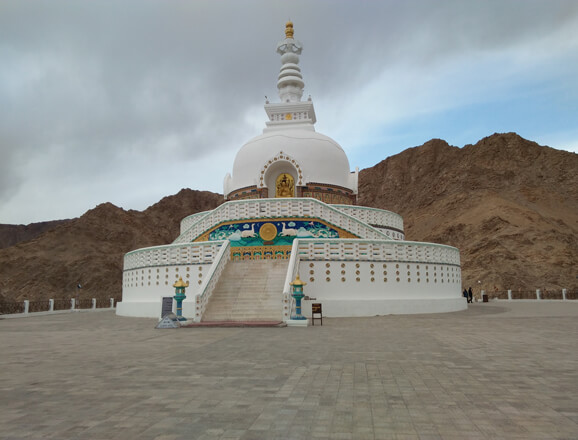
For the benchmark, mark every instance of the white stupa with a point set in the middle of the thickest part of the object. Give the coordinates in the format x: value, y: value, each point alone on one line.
x: 290, y: 145
x: 290, y: 210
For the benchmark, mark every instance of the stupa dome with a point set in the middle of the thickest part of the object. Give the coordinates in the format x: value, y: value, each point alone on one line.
x: 309, y: 156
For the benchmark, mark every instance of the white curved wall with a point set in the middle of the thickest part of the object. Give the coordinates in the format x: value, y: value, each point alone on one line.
x: 321, y: 158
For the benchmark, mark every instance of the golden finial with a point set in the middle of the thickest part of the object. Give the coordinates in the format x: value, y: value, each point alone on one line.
x: 297, y: 281
x: 181, y: 283
x: 289, y: 29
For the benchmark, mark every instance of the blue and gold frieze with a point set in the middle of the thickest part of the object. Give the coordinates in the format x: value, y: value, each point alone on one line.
x: 260, y: 253
x: 272, y: 232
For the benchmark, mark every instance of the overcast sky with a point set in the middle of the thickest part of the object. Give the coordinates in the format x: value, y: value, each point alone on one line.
x: 130, y: 101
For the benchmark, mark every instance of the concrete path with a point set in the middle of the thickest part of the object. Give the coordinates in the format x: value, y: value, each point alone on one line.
x: 496, y: 371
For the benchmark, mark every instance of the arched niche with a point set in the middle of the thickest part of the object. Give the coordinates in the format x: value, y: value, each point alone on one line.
x: 272, y: 174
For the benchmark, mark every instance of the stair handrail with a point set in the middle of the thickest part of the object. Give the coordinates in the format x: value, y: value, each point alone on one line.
x: 292, y: 270
x: 210, y: 282
x: 189, y: 220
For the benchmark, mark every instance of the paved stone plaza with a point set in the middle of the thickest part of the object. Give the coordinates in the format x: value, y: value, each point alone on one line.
x: 496, y: 371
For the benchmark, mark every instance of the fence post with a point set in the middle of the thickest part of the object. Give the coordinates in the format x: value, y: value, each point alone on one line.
x: 51, y: 305
x: 112, y: 303
x: 93, y: 303
x: 72, y: 303
x: 26, y: 305
x: 564, y: 294
x: 509, y: 295
x: 538, y: 294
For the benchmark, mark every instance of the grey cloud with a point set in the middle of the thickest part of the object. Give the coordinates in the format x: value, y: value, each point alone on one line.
x: 101, y: 82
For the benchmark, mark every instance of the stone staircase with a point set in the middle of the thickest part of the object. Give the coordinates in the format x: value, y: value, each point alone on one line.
x: 249, y: 291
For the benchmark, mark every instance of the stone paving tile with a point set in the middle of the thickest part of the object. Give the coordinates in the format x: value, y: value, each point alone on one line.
x: 496, y: 371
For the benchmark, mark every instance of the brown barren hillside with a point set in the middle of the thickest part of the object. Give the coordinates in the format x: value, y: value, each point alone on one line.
x: 509, y: 205
x: 89, y: 250
x: 14, y: 234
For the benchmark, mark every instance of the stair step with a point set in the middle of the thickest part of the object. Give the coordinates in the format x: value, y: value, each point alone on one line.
x: 248, y: 290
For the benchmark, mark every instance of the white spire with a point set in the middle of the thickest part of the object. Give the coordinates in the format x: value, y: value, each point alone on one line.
x: 291, y: 112
x: 290, y: 83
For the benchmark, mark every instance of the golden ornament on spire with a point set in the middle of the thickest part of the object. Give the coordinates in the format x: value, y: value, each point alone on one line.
x: 289, y: 29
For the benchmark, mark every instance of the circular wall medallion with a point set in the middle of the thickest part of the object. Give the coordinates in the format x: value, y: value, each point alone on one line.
x: 268, y: 232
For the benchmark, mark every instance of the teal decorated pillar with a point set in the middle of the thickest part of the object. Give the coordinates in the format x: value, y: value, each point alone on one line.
x: 298, y: 294
x: 179, y: 297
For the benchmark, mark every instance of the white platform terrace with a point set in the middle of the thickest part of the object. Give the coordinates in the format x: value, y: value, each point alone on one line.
x: 372, y: 274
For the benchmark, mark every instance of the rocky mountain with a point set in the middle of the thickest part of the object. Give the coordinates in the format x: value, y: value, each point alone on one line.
x: 14, y: 234
x: 89, y: 250
x: 509, y: 205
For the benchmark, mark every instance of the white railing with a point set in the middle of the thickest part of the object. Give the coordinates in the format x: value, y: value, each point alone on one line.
x: 172, y: 255
x: 292, y: 270
x: 188, y: 221
x: 278, y: 208
x: 210, y: 282
x: 374, y: 216
x: 377, y: 250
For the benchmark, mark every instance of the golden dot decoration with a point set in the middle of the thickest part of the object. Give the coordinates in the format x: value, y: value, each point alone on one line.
x: 327, y: 272
x: 342, y: 279
x: 311, y: 265
x: 311, y: 279
x: 327, y: 279
x: 311, y: 272
x: 385, y: 280
x: 357, y: 279
x: 327, y: 265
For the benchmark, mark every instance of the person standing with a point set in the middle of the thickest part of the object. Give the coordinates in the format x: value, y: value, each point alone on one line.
x: 470, y: 295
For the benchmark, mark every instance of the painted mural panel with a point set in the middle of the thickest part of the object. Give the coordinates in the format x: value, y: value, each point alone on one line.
x: 271, y: 232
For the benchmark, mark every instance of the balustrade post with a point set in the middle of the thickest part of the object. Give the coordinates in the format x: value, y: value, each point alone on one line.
x: 51, y: 305
x: 93, y: 303
x: 538, y: 294
x: 563, y: 294
x: 509, y: 295
x: 72, y: 303
x: 112, y: 303
x: 26, y: 306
